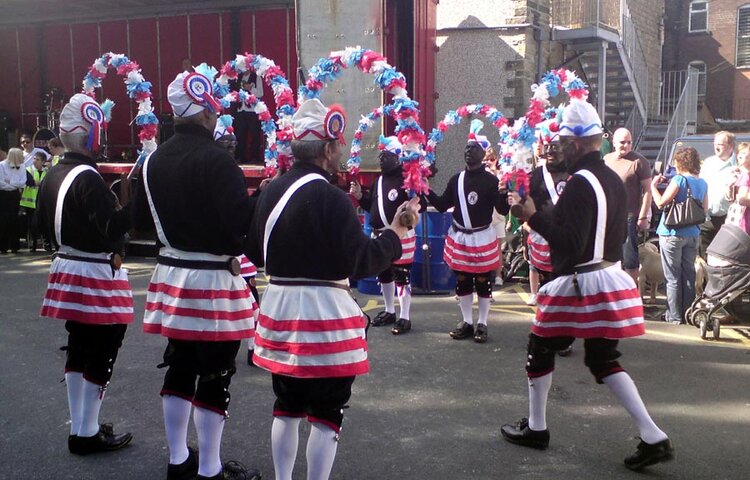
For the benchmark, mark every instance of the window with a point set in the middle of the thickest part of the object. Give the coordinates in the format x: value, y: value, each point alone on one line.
x: 701, y: 68
x: 698, y: 21
x: 742, y: 57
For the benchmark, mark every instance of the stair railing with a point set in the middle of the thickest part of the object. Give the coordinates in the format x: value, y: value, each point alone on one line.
x: 685, y: 116
x: 632, y: 52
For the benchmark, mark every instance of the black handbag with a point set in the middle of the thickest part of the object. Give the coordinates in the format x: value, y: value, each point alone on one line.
x: 684, y: 214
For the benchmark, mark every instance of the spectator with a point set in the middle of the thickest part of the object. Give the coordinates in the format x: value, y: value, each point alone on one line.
x: 29, y: 150
x: 679, y: 245
x: 34, y: 176
x: 12, y: 181
x: 247, y: 126
x: 739, y: 192
x: 635, y: 172
x: 490, y: 161
x: 3, y: 155
x: 717, y: 171
x: 606, y: 142
x: 56, y: 149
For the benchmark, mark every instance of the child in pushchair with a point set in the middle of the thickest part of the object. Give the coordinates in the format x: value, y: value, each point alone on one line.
x: 728, y: 268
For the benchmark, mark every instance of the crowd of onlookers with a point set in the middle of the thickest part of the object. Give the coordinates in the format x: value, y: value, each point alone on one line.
x: 22, y: 170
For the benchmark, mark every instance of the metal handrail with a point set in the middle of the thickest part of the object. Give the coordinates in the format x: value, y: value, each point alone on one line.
x: 634, y: 52
x: 685, y: 114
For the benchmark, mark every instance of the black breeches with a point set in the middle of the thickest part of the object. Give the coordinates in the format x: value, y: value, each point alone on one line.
x: 467, y: 282
x: 92, y: 350
x: 600, y: 355
x: 210, y: 363
x: 396, y: 273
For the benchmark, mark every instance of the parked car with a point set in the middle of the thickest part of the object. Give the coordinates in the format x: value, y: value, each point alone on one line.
x: 704, y: 143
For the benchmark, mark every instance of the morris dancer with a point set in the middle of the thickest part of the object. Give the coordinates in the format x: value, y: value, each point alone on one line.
x: 87, y: 288
x: 194, y: 194
x: 311, y: 333
x: 592, y: 297
x: 387, y: 195
x: 471, y: 248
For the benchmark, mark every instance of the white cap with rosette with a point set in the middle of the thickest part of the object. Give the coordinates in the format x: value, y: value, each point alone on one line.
x: 580, y: 119
x: 314, y: 121
x: 190, y: 93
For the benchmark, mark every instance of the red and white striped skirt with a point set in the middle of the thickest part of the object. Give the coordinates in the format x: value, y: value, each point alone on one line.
x: 87, y: 292
x: 539, y: 252
x: 205, y: 305
x: 610, y: 308
x: 475, y: 252
x: 311, y: 332
x: 408, y: 247
x: 248, y: 269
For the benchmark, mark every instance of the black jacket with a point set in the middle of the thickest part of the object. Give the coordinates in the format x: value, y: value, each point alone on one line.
x: 90, y: 219
x: 570, y: 227
x: 199, y: 194
x: 318, y: 235
x: 484, y: 185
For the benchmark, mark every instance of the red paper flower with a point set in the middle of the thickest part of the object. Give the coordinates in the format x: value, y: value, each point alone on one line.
x: 147, y: 132
x: 229, y: 71
x: 368, y: 58
x: 442, y: 126
x: 358, y: 134
x: 273, y: 71
x: 286, y: 97
x: 462, y: 111
x: 269, y: 171
x: 126, y: 68
x: 263, y: 116
x: 484, y: 109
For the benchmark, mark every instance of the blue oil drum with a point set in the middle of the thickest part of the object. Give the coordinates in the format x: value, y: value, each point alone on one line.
x: 430, y: 274
x: 368, y: 286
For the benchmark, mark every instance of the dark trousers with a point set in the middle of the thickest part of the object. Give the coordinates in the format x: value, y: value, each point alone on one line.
x: 600, y: 355
x: 709, y: 230
x: 249, y: 138
x: 28, y: 226
x: 9, y: 205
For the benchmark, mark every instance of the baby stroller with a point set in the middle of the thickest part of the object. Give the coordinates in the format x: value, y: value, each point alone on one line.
x: 728, y: 269
x: 514, y: 257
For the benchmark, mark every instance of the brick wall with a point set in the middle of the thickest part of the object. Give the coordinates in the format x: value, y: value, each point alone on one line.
x: 727, y: 88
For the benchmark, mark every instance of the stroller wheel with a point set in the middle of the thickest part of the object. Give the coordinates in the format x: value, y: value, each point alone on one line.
x: 717, y: 329
x: 689, y: 316
x: 697, y: 316
x: 703, y: 326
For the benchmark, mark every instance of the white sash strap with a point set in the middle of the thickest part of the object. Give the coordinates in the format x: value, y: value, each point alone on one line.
x: 64, y: 187
x: 157, y: 223
x: 462, y: 201
x: 550, y: 183
x: 381, y: 207
x: 601, y: 216
x: 276, y: 212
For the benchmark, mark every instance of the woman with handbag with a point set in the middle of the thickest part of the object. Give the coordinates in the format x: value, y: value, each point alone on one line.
x: 685, y: 203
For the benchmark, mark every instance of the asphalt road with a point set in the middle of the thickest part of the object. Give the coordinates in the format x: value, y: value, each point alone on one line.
x: 431, y: 407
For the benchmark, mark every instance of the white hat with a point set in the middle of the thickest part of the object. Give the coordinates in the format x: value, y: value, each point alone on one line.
x: 474, y: 129
x: 580, y: 119
x: 314, y: 121
x: 82, y: 114
x: 390, y: 144
x: 190, y: 93
x: 223, y: 126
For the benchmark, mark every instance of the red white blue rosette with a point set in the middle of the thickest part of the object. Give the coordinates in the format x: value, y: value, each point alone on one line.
x: 335, y: 123
x: 404, y: 111
x: 199, y: 89
x: 278, y: 152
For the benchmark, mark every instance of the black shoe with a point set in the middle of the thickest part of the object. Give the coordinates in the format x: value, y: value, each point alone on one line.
x: 463, y: 330
x: 233, y: 470
x: 647, y: 454
x: 566, y: 352
x: 250, y: 357
x: 402, y: 326
x: 480, y: 334
x: 104, y: 441
x: 186, y: 470
x: 521, y: 434
x: 384, y: 318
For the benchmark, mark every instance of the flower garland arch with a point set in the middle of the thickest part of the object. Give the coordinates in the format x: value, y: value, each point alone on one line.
x: 404, y: 110
x: 138, y: 89
x: 278, y: 152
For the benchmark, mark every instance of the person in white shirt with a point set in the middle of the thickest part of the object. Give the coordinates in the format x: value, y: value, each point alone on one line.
x: 12, y: 181
x: 718, y: 171
x: 29, y: 150
x: 247, y: 125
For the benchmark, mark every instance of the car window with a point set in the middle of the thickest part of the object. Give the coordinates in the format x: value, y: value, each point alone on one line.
x: 704, y: 144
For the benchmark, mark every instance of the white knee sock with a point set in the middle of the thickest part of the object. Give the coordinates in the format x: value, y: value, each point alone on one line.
x: 484, y: 310
x: 465, y: 303
x: 404, y: 301
x: 74, y: 384
x: 321, y: 451
x: 389, y: 292
x: 251, y: 343
x: 176, y: 421
x: 92, y: 403
x: 284, y: 442
x: 209, y: 427
x: 626, y: 392
x: 538, y: 390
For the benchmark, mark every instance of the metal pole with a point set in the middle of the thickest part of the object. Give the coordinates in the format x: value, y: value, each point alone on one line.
x: 158, y: 66
x: 602, y: 93
x: 20, y: 77
x: 72, y: 59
